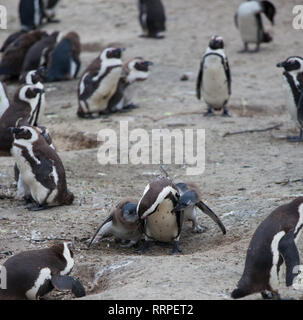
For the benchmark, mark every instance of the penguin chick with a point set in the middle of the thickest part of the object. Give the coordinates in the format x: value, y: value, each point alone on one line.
x: 4, y: 100
x: 214, y: 78
x: 190, y: 198
x: 33, y: 57
x: 152, y: 18
x: 11, y: 38
x: 40, y: 168
x: 249, y: 22
x: 63, y: 62
x: 155, y: 211
x: 293, y: 87
x: 23, y: 109
x: 135, y: 70
x: 272, y: 245
x: 32, y: 274
x: 13, y: 57
x: 99, y: 82
x: 122, y: 223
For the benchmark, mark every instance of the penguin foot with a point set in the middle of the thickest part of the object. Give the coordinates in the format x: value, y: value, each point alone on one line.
x: 130, y: 106
x: 151, y: 36
x: 208, y: 113
x: 130, y: 244
x: 176, y: 249
x: 52, y: 20
x: 266, y: 295
x: 143, y: 249
x: 295, y: 138
x: 37, y: 207
x: 199, y: 229
x: 225, y: 113
x: 245, y: 49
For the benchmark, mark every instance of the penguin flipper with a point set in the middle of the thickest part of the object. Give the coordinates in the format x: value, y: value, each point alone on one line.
x: 300, y: 109
x: 228, y: 75
x: 199, y: 81
x: 202, y: 206
x: 63, y: 283
x: 290, y: 254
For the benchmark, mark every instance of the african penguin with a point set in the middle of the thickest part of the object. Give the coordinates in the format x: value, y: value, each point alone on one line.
x: 122, y: 223
x: 272, y: 245
x: 152, y: 18
x: 249, y: 22
x: 135, y: 70
x: 32, y: 274
x: 293, y: 87
x: 64, y: 60
x: 13, y: 57
x: 40, y: 168
x: 99, y: 82
x: 11, y: 38
x: 23, y: 109
x: 190, y: 198
x: 4, y: 99
x: 33, y: 57
x: 155, y: 210
x: 214, y: 78
x: 30, y: 14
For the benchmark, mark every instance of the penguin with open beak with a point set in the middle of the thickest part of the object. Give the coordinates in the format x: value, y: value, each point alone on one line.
x: 122, y: 223
x: 190, y: 198
x: 155, y: 210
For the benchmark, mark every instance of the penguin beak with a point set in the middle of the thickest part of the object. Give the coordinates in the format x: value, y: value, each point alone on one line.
x: 14, y: 130
x: 148, y: 63
x: 281, y: 64
x: 39, y: 91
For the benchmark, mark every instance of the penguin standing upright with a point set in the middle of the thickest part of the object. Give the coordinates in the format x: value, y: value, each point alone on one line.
x: 272, y: 245
x: 155, y: 210
x: 30, y: 14
x: 135, y: 70
x: 4, y: 100
x: 64, y: 60
x: 293, y: 86
x: 152, y: 18
x: 99, y: 82
x: 32, y: 274
x: 249, y: 22
x: 190, y: 198
x: 23, y: 109
x: 122, y: 223
x: 40, y: 168
x: 13, y: 57
x: 214, y: 78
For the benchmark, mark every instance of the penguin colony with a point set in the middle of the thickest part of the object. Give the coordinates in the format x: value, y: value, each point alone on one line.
x: 33, y: 57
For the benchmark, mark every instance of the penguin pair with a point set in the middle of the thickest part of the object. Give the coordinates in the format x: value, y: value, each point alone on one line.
x: 293, y: 86
x: 122, y: 223
x: 152, y: 18
x: 273, y: 246
x: 14, y: 55
x: 41, y: 169
x: 32, y: 13
x: 99, y: 82
x: 135, y: 70
x: 32, y: 274
x: 63, y: 61
x: 249, y: 22
x: 214, y: 78
x: 26, y: 108
x: 163, y: 208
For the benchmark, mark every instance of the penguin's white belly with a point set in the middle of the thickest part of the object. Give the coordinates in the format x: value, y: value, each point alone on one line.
x: 107, y: 87
x: 215, y: 86
x: 73, y: 68
x: 290, y: 101
x: 247, y: 21
x: 129, y: 94
x: 4, y: 104
x: 162, y: 224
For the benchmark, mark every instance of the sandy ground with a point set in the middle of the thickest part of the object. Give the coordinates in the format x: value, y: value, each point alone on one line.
x: 242, y: 181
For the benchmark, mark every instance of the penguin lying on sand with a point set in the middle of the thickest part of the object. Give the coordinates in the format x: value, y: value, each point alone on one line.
x: 64, y: 60
x: 190, y: 198
x: 293, y: 86
x: 135, y: 70
x: 32, y: 274
x: 152, y: 18
x: 99, y: 82
x: 214, y: 78
x: 122, y: 223
x: 41, y: 169
x: 249, y: 22
x: 11, y: 38
x: 272, y: 246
